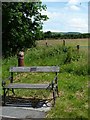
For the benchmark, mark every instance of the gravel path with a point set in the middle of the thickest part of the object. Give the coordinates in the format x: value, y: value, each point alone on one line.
x: 17, y: 112
x: 23, y: 112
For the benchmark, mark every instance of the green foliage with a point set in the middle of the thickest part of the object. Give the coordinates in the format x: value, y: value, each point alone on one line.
x: 6, y: 64
x: 68, y: 35
x: 45, y: 56
x: 52, y: 56
x: 76, y: 67
x: 21, y: 25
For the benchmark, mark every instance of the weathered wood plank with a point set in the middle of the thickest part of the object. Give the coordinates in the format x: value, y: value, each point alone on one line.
x: 26, y: 86
x: 35, y: 69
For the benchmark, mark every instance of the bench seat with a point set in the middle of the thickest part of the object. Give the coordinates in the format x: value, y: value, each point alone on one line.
x: 26, y: 86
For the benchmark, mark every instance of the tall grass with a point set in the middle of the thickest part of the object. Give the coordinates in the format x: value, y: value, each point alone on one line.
x: 59, y: 53
x: 45, y: 56
x: 6, y: 64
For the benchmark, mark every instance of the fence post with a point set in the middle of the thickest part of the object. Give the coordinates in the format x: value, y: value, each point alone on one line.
x: 21, y: 58
x: 78, y: 46
x: 63, y: 42
x: 46, y: 43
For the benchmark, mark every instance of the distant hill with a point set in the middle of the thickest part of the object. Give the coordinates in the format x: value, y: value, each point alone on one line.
x: 76, y: 33
x: 73, y: 33
x: 65, y: 35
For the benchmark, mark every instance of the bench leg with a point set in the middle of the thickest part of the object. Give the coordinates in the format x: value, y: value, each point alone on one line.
x: 4, y: 96
x: 7, y: 91
x: 57, y: 90
x: 54, y: 97
x: 13, y: 91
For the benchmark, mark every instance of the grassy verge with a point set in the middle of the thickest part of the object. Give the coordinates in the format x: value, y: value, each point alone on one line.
x: 73, y: 100
x: 72, y: 80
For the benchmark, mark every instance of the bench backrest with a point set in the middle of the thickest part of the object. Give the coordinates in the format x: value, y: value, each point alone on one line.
x: 35, y: 69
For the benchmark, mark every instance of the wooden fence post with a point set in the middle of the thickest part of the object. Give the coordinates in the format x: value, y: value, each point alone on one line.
x: 46, y: 43
x: 63, y: 42
x: 78, y: 46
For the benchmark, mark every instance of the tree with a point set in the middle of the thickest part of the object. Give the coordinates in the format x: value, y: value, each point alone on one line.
x: 22, y: 23
x: 48, y: 34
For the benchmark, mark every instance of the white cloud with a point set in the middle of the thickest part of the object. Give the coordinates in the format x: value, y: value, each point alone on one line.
x: 70, y: 17
x: 70, y: 1
x: 76, y: 5
x: 79, y: 24
x: 54, y: 0
x: 52, y: 30
x: 66, y: 23
x: 52, y: 15
x: 73, y: 1
x: 72, y: 7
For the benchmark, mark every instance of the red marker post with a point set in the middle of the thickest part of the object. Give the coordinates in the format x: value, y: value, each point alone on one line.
x: 21, y: 58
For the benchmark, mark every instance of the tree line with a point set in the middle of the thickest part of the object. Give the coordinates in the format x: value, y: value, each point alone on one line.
x: 60, y: 35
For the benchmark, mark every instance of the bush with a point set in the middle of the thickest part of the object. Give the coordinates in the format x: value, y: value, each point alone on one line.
x: 76, y: 68
x: 69, y: 61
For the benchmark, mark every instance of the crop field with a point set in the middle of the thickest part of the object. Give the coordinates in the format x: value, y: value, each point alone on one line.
x: 72, y: 79
x: 69, y: 42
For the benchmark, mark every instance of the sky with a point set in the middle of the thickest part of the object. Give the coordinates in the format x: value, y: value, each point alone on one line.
x: 66, y: 16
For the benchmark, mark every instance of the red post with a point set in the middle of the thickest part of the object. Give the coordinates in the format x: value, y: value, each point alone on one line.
x: 21, y: 58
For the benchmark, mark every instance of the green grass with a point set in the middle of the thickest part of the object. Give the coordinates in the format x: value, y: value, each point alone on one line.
x: 72, y: 79
x: 69, y: 42
x: 33, y: 78
x: 73, y: 97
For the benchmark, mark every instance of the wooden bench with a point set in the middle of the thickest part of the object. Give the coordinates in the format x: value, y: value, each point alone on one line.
x: 50, y: 86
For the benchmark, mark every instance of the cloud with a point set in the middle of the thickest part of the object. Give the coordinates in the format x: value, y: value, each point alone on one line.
x: 73, y: 1
x: 54, y: 0
x: 72, y: 7
x: 54, y: 14
x: 67, y: 18
x: 53, y: 30
x: 70, y: 1
x: 79, y: 24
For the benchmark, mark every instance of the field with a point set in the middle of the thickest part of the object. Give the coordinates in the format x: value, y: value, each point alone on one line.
x: 69, y: 42
x: 72, y: 79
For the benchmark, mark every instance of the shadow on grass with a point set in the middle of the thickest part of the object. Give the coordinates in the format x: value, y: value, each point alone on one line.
x: 27, y: 102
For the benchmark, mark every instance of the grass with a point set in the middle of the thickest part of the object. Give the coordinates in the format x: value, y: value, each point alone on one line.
x: 69, y: 42
x: 73, y: 97
x: 72, y: 79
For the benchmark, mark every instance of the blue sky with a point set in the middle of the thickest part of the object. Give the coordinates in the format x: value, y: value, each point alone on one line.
x: 67, y: 16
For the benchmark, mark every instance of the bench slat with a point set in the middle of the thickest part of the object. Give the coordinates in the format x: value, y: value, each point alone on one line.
x: 35, y: 69
x: 26, y: 86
